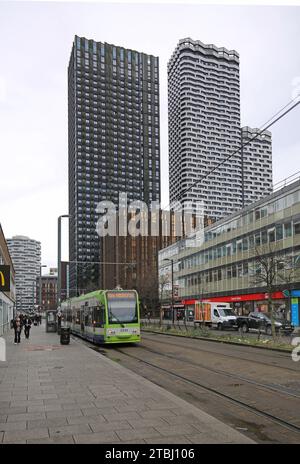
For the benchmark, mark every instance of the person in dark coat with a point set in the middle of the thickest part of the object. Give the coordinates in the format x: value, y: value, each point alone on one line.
x: 27, y: 326
x: 17, y: 325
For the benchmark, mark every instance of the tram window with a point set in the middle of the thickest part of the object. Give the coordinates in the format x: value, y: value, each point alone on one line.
x: 90, y: 317
x: 98, y: 317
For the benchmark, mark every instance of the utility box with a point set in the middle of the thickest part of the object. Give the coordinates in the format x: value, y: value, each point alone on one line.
x: 51, y: 324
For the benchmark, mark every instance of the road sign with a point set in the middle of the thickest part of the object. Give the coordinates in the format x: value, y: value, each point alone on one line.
x: 4, y: 278
x: 286, y: 293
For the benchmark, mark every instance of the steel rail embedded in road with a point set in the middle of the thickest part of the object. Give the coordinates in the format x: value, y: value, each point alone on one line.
x: 253, y: 409
x: 227, y: 374
x: 268, y: 352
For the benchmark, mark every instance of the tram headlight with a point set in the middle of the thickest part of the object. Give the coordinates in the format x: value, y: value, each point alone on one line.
x: 111, y: 331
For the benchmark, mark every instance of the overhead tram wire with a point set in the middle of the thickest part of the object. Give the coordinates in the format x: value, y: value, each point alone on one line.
x: 263, y: 128
x: 238, y: 151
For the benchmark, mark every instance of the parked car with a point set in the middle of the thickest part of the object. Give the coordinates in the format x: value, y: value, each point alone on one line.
x: 262, y: 321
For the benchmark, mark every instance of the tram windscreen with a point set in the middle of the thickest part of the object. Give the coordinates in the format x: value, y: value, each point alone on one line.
x: 122, y: 307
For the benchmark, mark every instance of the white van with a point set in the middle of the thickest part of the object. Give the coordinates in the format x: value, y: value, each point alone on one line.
x: 222, y: 316
x: 215, y: 314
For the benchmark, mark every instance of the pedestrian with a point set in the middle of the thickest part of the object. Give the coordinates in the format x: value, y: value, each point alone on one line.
x: 17, y: 324
x: 27, y: 326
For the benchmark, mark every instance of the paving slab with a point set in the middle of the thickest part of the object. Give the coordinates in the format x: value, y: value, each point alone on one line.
x: 52, y: 393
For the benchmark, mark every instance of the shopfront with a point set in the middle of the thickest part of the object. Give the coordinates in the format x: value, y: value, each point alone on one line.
x: 244, y: 304
x: 295, y: 307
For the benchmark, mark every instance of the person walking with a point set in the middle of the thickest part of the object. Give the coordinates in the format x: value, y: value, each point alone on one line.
x: 17, y: 324
x: 27, y: 326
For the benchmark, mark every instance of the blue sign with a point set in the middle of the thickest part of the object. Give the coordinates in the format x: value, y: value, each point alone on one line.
x: 295, y: 293
x: 295, y: 312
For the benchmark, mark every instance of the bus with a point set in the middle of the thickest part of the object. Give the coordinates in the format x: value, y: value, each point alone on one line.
x: 104, y: 316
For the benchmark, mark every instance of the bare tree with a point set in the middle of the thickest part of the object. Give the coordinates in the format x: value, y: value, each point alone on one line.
x: 271, y: 270
x: 202, y: 308
x: 148, y: 290
x: 164, y: 281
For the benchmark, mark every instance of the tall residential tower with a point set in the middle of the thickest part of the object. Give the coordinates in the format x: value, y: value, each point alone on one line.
x: 204, y: 126
x: 26, y: 257
x: 204, y: 130
x: 113, y: 143
x: 256, y: 164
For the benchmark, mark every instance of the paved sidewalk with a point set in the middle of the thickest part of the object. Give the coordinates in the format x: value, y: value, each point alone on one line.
x: 52, y: 393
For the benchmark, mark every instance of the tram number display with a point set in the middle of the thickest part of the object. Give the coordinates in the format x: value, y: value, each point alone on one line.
x: 124, y: 296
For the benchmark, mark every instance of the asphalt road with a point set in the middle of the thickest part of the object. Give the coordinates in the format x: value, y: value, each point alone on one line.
x: 255, y: 391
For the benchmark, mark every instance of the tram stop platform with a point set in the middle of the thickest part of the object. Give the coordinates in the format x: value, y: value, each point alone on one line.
x: 53, y: 393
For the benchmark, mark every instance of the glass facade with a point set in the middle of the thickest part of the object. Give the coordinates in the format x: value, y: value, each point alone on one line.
x: 226, y: 263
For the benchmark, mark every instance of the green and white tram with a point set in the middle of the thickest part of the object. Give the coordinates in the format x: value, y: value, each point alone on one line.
x: 104, y: 316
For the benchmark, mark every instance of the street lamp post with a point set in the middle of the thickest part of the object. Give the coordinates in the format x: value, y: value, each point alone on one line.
x: 172, y: 280
x: 59, y: 257
x: 40, y: 286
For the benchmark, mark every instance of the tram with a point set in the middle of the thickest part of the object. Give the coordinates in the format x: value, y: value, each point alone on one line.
x: 104, y: 316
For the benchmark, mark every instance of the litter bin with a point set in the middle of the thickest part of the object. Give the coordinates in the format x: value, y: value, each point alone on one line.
x: 64, y: 335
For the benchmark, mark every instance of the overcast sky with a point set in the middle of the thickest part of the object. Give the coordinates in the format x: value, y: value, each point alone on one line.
x: 35, y: 44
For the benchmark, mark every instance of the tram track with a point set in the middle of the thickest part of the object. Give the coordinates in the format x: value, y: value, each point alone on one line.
x: 275, y: 407
x: 226, y: 355
x: 227, y: 374
x: 244, y: 405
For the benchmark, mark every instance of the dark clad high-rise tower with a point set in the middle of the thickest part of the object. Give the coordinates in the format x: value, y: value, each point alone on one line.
x: 113, y: 142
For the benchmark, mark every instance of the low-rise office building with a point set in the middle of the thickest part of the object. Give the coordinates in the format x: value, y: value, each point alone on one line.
x: 7, y: 298
x: 131, y: 261
x: 224, y: 267
x: 47, y: 295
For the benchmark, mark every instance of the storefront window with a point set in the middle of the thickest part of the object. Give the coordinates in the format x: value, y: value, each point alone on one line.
x: 257, y: 239
x: 279, y: 232
x: 287, y: 229
x: 263, y: 212
x: 251, y: 242
x: 234, y: 247
x: 271, y: 234
x: 240, y: 270
x: 264, y: 237
x: 257, y: 214
x: 297, y: 228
